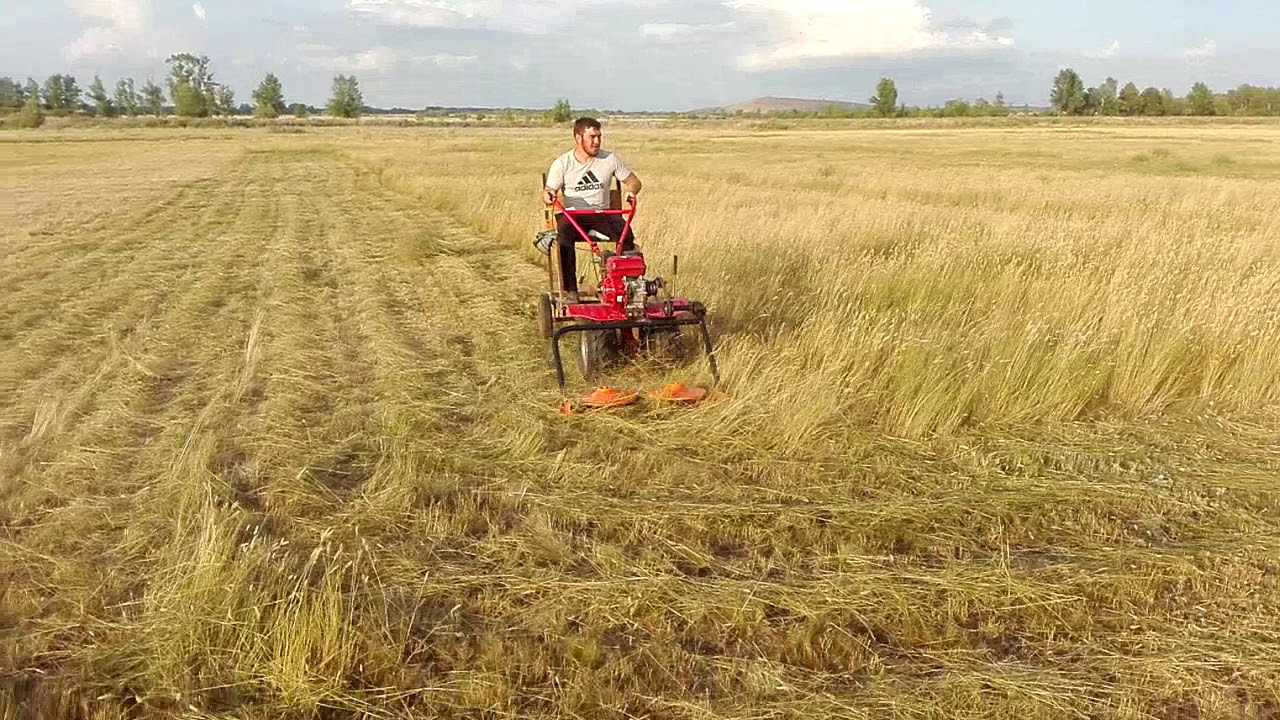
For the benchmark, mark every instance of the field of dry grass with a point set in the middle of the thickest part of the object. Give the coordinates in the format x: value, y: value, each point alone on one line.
x: 277, y: 435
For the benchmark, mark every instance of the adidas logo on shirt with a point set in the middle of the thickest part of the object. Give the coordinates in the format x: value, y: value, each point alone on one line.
x: 587, y: 182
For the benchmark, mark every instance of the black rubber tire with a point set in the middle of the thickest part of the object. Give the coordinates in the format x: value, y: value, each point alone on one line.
x: 597, y: 350
x: 669, y: 344
x: 546, y: 322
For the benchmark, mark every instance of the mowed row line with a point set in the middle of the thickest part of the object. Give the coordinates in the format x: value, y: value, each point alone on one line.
x: 283, y: 251
x: 247, y: 350
x: 291, y: 449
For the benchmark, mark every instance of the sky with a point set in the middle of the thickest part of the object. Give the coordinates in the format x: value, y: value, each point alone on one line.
x: 657, y: 55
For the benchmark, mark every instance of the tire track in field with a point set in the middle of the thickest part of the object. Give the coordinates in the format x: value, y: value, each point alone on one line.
x: 98, y: 483
x: 68, y: 267
x: 307, y: 445
x: 88, y: 318
x: 277, y: 385
x: 380, y: 344
x: 342, y: 360
x: 125, y: 365
x: 955, y: 571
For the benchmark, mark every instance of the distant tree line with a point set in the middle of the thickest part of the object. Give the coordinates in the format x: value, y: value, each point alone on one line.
x: 1069, y: 96
x: 190, y: 91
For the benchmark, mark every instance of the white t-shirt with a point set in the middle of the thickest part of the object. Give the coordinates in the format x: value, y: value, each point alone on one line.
x: 586, y: 185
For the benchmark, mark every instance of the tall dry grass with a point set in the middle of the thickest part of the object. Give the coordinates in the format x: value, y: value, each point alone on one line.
x: 277, y: 437
x: 922, y: 282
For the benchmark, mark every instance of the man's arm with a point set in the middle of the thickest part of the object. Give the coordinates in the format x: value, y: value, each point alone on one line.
x: 632, y: 184
x: 621, y: 170
x: 555, y: 181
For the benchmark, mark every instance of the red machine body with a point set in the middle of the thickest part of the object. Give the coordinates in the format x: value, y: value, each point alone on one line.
x: 626, y: 299
x: 624, y: 291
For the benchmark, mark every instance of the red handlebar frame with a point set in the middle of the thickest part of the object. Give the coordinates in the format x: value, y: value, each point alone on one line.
x: 569, y: 215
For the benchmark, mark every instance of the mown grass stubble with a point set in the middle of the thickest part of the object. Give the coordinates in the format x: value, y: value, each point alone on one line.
x: 999, y: 441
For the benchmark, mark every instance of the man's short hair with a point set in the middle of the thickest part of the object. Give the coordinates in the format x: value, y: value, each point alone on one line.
x: 581, y: 124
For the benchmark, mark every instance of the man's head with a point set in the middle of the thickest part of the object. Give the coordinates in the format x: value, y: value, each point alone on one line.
x: 586, y: 135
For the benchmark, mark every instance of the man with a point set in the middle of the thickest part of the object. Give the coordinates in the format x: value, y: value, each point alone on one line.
x: 586, y: 175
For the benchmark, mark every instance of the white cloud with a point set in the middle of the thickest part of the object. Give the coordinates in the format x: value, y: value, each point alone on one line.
x: 374, y: 60
x: 95, y: 41
x: 1202, y: 52
x: 827, y: 29
x: 128, y: 15
x: 377, y: 60
x: 198, y: 9
x: 516, y: 16
x: 680, y: 31
x: 125, y: 24
x: 1109, y: 52
x: 445, y: 61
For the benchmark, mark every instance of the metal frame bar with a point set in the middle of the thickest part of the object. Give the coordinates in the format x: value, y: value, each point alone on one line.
x: 699, y: 320
x: 626, y: 227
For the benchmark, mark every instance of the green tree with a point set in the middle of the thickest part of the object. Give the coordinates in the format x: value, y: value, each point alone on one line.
x: 299, y: 110
x: 30, y: 116
x: 53, y: 92
x: 188, y: 101
x: 1200, y: 100
x: 982, y: 107
x: 1152, y: 102
x: 61, y: 93
x: 956, y: 108
x: 102, y: 105
x: 71, y: 93
x: 224, y: 100
x: 1130, y: 101
x: 268, y: 99
x: 11, y: 94
x: 997, y: 108
x: 885, y: 101
x: 345, y: 99
x: 1107, y: 97
x: 152, y: 98
x: 1253, y: 100
x: 126, y: 97
x: 561, y: 111
x: 1092, y: 102
x: 191, y: 85
x: 32, y: 90
x: 1068, y: 95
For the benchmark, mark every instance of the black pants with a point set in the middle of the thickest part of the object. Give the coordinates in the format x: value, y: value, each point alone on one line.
x: 611, y: 225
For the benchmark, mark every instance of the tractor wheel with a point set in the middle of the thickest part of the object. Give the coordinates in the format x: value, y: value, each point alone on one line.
x: 597, y: 350
x: 546, y: 321
x: 670, y: 344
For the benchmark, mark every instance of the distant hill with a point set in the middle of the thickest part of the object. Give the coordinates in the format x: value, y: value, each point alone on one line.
x: 783, y: 104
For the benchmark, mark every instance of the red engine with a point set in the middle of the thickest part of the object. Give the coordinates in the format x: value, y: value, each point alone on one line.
x: 625, y: 294
x: 626, y: 302
x: 624, y: 288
